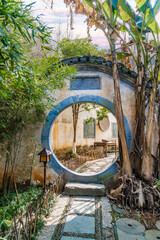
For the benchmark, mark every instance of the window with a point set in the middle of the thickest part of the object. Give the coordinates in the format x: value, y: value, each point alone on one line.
x: 114, y: 130
x: 90, y: 129
x: 86, y: 83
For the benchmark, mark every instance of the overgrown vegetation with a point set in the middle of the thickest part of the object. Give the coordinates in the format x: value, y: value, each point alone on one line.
x: 10, y: 206
x: 25, y: 82
x: 28, y: 210
x: 22, y: 215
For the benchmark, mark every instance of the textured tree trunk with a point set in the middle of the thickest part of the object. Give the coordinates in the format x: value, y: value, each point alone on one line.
x: 140, y: 116
x: 120, y: 153
x: 146, y: 159
x: 126, y: 169
x: 75, y: 113
x: 6, y: 169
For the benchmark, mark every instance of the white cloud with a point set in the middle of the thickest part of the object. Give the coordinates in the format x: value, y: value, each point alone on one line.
x: 60, y: 14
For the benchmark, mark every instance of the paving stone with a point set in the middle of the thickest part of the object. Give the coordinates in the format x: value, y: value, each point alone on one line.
x: 129, y: 225
x: 83, y: 207
x: 106, y: 213
x: 51, y: 222
x: 84, y: 189
x: 152, y: 234
x: 158, y: 224
x: 84, y: 198
x: 79, y: 224
x: 75, y: 238
x: 126, y: 236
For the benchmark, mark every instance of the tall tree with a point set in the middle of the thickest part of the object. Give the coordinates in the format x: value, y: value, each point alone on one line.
x: 104, y: 16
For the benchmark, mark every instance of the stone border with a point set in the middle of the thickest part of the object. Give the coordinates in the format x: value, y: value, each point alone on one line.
x: 46, y: 131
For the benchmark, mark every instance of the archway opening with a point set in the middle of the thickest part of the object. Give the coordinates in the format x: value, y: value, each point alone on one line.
x: 47, y: 140
x: 85, y: 138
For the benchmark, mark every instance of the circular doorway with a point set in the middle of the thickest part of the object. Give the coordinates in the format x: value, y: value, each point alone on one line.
x: 47, y: 141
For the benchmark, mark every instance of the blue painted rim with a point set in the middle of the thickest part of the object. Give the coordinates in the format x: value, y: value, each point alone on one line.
x: 46, y: 131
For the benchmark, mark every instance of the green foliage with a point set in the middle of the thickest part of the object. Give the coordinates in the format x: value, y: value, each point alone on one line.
x: 25, y: 96
x: 101, y: 112
x: 25, y: 83
x: 89, y: 120
x: 9, y: 207
x: 158, y: 182
x: 73, y: 154
x: 39, y: 225
x: 77, y: 47
x: 70, y: 151
x: 17, y: 26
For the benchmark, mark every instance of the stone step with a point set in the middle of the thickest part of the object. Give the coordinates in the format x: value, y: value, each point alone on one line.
x: 84, y: 189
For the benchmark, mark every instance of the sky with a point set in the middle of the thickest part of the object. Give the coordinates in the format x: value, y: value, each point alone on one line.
x: 58, y: 19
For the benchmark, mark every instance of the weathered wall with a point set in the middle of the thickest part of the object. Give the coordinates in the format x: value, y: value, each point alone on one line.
x: 32, y: 135
x: 63, y: 130
x: 27, y: 157
x: 107, y: 91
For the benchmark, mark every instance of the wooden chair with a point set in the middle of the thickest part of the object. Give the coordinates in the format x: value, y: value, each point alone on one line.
x: 111, y: 144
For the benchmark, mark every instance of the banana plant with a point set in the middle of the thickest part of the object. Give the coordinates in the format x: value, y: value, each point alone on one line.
x: 138, y: 26
x: 104, y: 15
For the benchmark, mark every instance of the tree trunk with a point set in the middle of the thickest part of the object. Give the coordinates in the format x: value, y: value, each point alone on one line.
x: 75, y: 113
x: 146, y: 159
x: 74, y: 147
x: 6, y: 169
x: 119, y: 115
x: 120, y: 153
x: 140, y: 116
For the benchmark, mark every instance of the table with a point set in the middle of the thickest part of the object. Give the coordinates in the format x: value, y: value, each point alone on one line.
x: 101, y: 144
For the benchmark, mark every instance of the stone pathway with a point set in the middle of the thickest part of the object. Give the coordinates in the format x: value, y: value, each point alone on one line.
x: 92, y: 218
x: 79, y: 218
x: 96, y: 166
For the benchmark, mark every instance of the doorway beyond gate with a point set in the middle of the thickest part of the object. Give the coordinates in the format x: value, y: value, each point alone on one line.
x: 46, y: 139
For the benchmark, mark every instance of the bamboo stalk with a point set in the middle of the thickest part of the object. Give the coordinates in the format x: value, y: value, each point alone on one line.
x: 36, y: 214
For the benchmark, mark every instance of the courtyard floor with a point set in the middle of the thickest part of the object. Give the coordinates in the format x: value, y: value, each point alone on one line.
x: 96, y: 166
